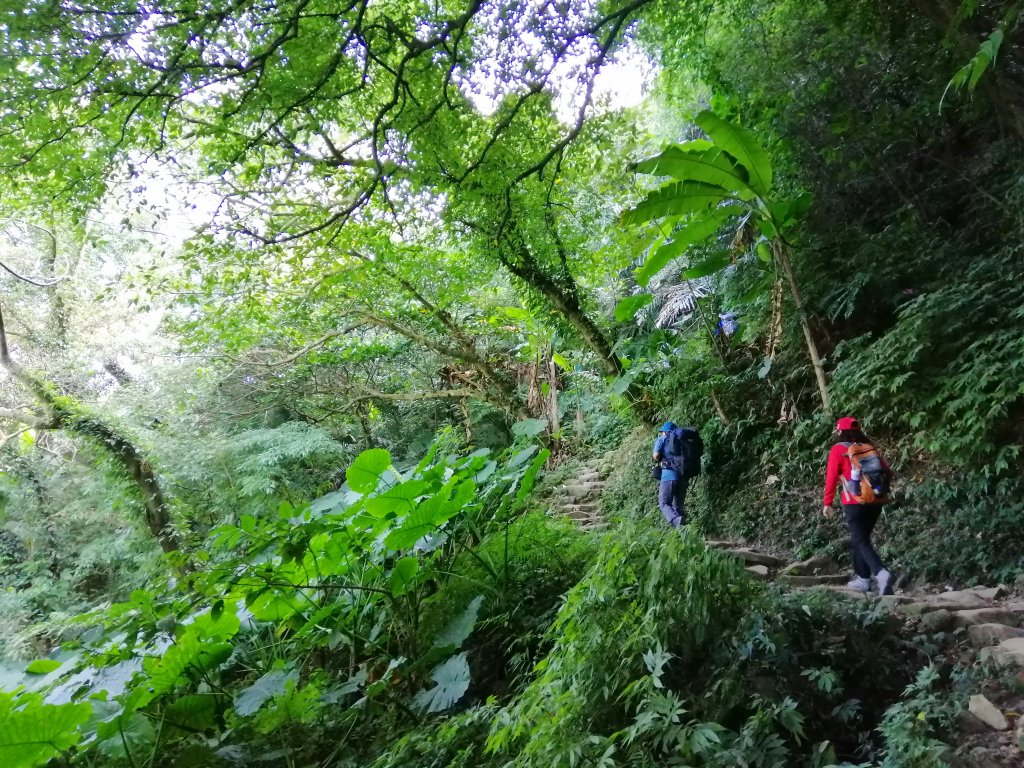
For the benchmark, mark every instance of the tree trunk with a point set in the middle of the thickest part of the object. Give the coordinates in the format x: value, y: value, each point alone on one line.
x: 556, y: 426
x: 782, y: 255
x: 567, y: 303
x: 364, y: 424
x: 63, y: 416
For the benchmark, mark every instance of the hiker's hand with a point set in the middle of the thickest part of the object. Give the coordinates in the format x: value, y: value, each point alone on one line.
x: 828, y: 512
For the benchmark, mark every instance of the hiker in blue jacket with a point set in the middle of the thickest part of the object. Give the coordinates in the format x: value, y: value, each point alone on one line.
x: 672, y: 490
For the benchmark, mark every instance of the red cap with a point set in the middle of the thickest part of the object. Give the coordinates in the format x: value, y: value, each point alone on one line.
x: 847, y: 422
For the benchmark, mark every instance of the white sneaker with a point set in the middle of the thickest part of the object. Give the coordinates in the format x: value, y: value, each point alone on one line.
x: 860, y: 584
x: 884, y: 580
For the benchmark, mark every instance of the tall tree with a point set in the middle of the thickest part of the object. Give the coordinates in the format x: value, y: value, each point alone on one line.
x: 305, y: 116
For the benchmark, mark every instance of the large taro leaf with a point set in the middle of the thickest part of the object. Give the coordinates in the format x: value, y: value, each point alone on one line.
x: 529, y: 427
x: 452, y: 681
x: 272, y: 684
x: 460, y: 627
x: 399, y: 500
x: 125, y: 735
x: 192, y: 655
x: 365, y: 473
x: 194, y: 712
x: 403, y: 575
x: 431, y: 514
x: 32, y: 733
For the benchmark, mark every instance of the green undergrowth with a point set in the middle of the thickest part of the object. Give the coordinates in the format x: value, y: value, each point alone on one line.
x: 666, y: 653
x: 433, y: 618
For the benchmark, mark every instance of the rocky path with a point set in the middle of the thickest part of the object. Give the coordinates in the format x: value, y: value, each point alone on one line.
x: 580, y: 499
x: 984, y: 624
x: 989, y: 622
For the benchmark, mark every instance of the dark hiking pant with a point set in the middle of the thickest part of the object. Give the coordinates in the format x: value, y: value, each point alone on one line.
x: 861, y: 519
x: 672, y: 500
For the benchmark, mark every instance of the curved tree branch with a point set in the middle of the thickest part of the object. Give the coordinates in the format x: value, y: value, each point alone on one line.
x: 65, y: 416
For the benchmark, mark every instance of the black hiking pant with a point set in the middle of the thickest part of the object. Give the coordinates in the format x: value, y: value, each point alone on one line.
x: 860, y: 520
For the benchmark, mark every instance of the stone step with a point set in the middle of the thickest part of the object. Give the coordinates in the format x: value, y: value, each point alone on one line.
x: 724, y: 544
x: 795, y: 580
x: 582, y: 505
x: 991, y: 593
x: 993, y: 615
x: 583, y: 515
x: 984, y: 635
x: 813, y: 566
x: 755, y: 558
x: 949, y: 601
x: 584, y: 489
x: 1008, y: 653
x: 759, y: 572
x: 890, y: 601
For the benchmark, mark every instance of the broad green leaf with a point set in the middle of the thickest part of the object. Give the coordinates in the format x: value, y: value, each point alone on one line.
x: 400, y: 499
x: 702, y: 226
x: 676, y: 199
x: 364, y: 474
x: 43, y: 666
x: 195, y: 712
x: 32, y: 733
x: 464, y: 493
x: 211, y: 625
x: 530, y: 475
x: 197, y: 756
x: 766, y: 226
x: 277, y: 605
x: 188, y: 657
x: 741, y: 144
x: 786, y: 213
x: 125, y: 735
x: 485, y: 472
x: 452, y: 681
x: 629, y: 306
x: 714, y: 263
x: 529, y: 427
x: 274, y: 683
x: 403, y: 574
x: 623, y: 382
x: 711, y: 166
x: 521, y: 457
x: 420, y: 522
x: 561, y: 361
x: 460, y: 627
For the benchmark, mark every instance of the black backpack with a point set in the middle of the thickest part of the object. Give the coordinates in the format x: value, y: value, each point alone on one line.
x: 683, y: 451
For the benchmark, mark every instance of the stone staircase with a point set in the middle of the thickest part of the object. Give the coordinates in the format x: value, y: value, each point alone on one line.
x: 580, y: 499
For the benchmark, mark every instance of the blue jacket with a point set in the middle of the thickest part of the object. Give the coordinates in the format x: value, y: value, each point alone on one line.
x: 667, y: 474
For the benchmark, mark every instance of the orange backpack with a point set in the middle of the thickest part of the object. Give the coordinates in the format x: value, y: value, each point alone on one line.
x: 873, y: 486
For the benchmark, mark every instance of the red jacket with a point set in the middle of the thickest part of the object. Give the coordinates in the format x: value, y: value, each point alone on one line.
x: 839, y: 466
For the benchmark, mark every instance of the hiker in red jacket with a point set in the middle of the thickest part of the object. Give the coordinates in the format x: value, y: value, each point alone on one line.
x: 863, y: 475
